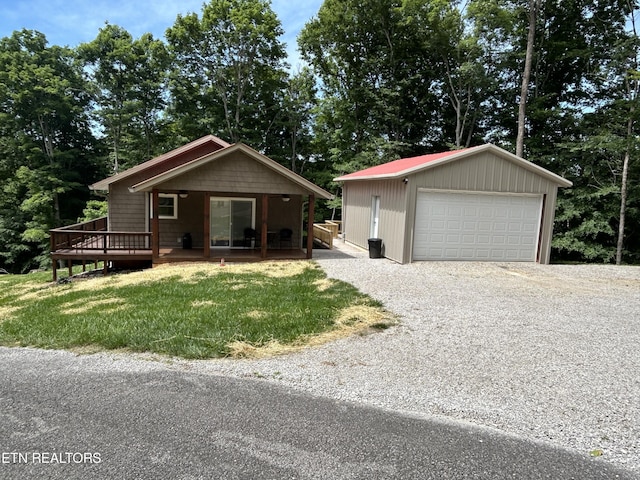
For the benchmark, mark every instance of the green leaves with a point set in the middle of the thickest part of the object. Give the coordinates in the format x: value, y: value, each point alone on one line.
x: 228, y: 71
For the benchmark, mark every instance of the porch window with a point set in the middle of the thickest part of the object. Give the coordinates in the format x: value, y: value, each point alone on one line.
x: 167, y: 206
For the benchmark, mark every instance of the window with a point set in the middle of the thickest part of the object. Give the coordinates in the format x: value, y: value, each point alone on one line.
x: 167, y: 205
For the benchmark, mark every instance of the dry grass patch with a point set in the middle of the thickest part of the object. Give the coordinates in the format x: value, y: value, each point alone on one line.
x: 204, y: 303
x: 81, y: 306
x: 323, y: 284
x: 274, y: 269
x: 257, y: 314
x: 353, y: 320
x: 7, y: 311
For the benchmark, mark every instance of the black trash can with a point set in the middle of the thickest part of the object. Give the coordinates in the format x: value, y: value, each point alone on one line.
x: 375, y: 248
x: 187, y: 241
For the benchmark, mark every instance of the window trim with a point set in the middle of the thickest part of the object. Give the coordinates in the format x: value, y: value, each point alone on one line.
x: 173, y: 216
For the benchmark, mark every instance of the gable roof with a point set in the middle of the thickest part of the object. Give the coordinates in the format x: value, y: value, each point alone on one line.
x: 215, y: 143
x: 149, y: 183
x: 193, y: 155
x: 408, y: 166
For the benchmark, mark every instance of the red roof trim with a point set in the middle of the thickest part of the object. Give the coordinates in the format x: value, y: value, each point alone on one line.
x: 397, y: 167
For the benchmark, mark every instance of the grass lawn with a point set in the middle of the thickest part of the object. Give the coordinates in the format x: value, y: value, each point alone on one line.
x: 188, y: 310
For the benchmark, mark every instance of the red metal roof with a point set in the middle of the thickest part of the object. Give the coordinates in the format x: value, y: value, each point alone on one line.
x: 397, y: 167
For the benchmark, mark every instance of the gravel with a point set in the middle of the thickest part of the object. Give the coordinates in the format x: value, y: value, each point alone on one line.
x: 546, y: 352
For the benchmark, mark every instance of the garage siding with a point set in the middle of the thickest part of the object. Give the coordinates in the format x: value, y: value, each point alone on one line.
x: 484, y: 172
x: 357, y: 214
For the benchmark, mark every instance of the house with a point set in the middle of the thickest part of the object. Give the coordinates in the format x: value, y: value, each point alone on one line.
x: 206, y: 200
x: 481, y: 203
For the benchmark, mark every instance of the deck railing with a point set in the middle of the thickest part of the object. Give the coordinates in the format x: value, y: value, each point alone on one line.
x: 93, y: 236
x: 323, y: 234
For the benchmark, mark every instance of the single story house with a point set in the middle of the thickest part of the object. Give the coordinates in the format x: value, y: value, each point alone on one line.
x: 206, y: 200
x: 481, y: 203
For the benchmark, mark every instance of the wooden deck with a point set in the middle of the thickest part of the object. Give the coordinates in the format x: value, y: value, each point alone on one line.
x: 92, y: 242
x: 168, y: 255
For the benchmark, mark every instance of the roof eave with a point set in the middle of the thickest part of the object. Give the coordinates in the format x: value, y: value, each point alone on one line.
x: 560, y: 181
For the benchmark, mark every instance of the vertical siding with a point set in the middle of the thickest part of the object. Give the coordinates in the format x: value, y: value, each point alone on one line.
x: 357, y: 214
x: 484, y: 172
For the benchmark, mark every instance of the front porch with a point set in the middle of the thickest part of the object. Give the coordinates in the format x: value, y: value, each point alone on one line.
x: 92, y: 242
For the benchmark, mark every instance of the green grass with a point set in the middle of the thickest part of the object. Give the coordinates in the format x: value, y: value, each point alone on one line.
x: 194, y: 311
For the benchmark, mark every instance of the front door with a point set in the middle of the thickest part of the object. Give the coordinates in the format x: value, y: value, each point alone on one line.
x: 375, y: 217
x: 230, y: 217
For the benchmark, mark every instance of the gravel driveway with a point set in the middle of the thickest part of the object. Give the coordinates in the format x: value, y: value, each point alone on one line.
x: 548, y: 352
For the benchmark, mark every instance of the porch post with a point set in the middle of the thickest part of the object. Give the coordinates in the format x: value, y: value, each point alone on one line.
x: 54, y: 264
x: 312, y: 201
x: 263, y: 232
x: 155, y: 226
x: 207, y: 225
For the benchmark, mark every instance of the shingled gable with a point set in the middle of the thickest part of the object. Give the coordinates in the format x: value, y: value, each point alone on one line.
x: 407, y: 166
x: 174, y: 158
x: 149, y: 183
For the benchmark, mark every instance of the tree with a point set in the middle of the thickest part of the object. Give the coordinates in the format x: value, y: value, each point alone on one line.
x: 534, y: 7
x: 381, y: 79
x: 129, y: 79
x: 456, y: 52
x: 45, y: 144
x: 605, y: 190
x: 300, y: 100
x: 229, y: 71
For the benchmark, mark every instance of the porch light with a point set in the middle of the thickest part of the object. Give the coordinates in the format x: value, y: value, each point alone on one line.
x: 183, y: 194
x: 286, y: 198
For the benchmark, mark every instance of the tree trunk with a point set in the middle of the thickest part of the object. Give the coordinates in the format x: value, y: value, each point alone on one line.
x: 534, y: 5
x: 633, y: 85
x: 623, y: 207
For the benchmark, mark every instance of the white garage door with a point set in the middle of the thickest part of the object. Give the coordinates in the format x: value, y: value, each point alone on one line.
x: 469, y: 226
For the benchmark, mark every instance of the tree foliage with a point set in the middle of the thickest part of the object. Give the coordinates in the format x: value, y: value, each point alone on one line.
x: 385, y: 79
x: 229, y: 71
x: 46, y: 146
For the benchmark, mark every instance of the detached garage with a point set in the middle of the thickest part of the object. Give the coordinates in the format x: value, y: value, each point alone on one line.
x: 480, y: 204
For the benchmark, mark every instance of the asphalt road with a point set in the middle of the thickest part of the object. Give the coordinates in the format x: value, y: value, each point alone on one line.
x: 60, y: 420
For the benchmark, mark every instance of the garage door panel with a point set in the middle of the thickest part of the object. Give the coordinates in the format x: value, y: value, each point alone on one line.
x: 464, y: 226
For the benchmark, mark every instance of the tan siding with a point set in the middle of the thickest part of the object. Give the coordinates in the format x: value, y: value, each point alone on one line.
x: 126, y: 210
x: 357, y: 214
x: 484, y: 172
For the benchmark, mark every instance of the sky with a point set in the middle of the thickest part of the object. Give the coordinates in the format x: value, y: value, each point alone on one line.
x: 71, y: 22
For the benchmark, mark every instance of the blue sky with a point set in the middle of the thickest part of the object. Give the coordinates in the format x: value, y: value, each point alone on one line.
x: 71, y: 22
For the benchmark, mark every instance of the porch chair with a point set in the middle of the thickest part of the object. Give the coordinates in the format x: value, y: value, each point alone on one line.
x: 250, y: 234
x: 286, y: 236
